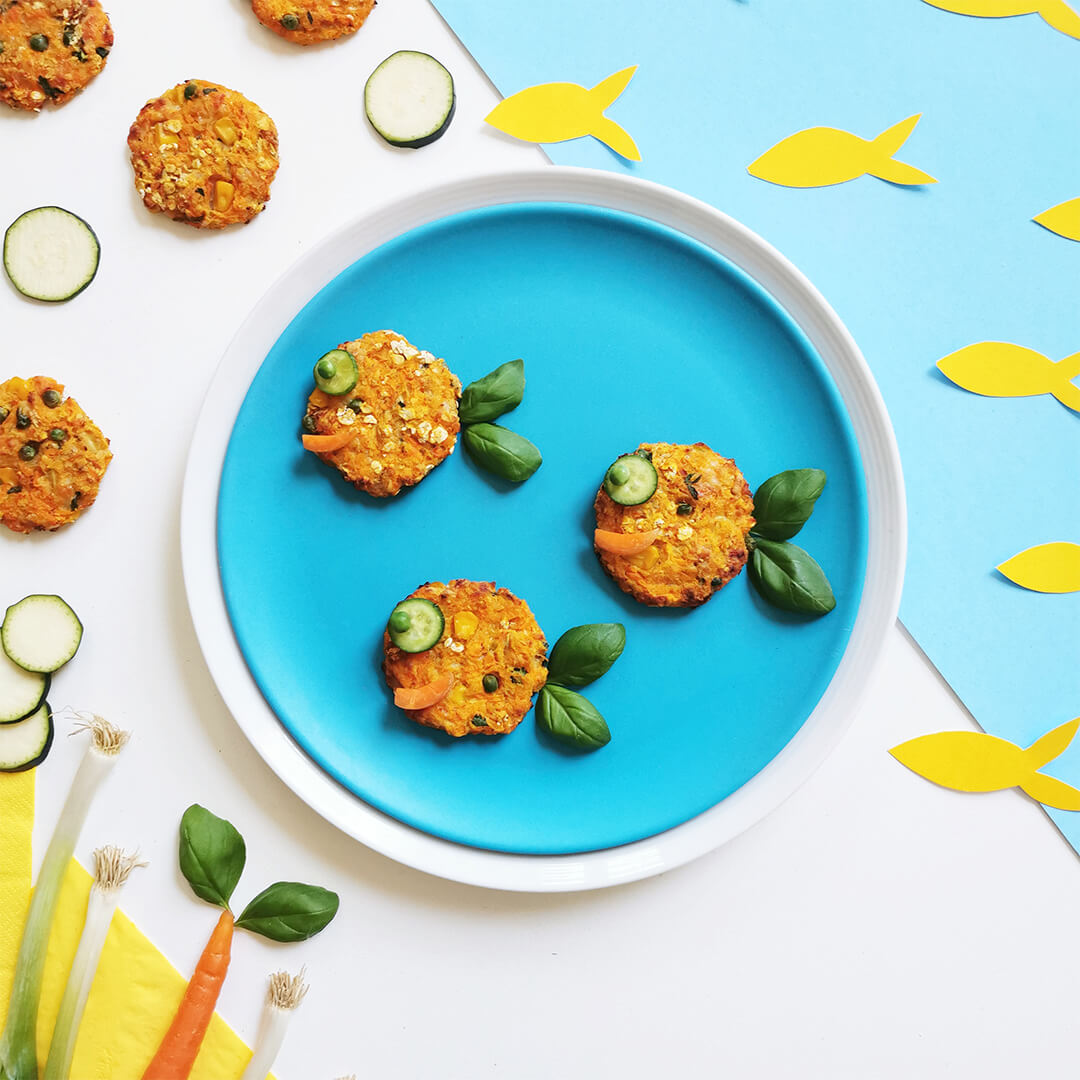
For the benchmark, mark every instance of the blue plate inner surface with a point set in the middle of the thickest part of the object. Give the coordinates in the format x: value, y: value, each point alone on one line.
x: 630, y: 332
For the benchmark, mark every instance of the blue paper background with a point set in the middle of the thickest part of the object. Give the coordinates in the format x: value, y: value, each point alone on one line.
x: 915, y: 273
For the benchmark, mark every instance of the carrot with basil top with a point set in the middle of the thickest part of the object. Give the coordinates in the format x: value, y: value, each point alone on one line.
x: 212, y: 857
x: 625, y: 543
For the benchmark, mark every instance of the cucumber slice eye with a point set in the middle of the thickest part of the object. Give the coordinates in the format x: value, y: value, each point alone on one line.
x: 631, y: 480
x: 336, y: 372
x: 416, y: 625
x: 40, y: 633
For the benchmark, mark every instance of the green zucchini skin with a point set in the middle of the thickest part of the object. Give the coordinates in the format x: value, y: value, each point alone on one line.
x: 371, y: 109
x: 18, y: 648
x: 6, y: 716
x: 40, y: 750
x: 13, y: 272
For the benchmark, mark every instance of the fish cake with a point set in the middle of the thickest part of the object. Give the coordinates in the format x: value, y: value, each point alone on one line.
x: 487, y: 632
x: 404, y: 409
x: 50, y: 50
x: 52, y: 456
x: 310, y: 21
x: 702, y: 508
x: 204, y: 155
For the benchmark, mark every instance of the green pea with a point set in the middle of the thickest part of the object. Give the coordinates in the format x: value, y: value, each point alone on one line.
x: 4, y: 413
x: 52, y: 398
x: 308, y: 424
x: 355, y: 404
x: 190, y: 91
x: 58, y: 435
x: 22, y: 418
x: 39, y: 42
x: 290, y: 22
x: 28, y: 451
x: 102, y: 51
x: 325, y: 369
x: 618, y: 474
x: 491, y: 684
x: 400, y: 621
x: 69, y: 36
x: 74, y: 504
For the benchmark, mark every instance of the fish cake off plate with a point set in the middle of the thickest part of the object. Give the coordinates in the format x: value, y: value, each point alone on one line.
x: 642, y: 314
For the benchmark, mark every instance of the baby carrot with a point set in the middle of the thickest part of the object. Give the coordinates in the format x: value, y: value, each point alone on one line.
x: 176, y: 1054
x: 420, y: 697
x: 625, y: 543
x: 325, y: 444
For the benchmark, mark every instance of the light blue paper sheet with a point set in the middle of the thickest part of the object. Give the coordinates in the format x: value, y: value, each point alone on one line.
x: 915, y: 273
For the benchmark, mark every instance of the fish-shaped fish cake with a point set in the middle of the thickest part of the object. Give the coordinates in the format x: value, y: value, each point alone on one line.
x: 1046, y: 568
x: 976, y: 762
x: 1001, y: 369
x: 821, y: 156
x: 1063, y: 219
x: 1057, y: 13
x: 555, y: 112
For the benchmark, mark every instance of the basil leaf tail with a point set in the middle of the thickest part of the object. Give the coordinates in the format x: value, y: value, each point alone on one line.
x: 289, y: 911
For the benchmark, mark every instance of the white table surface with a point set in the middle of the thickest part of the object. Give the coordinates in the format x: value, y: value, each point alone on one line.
x: 874, y: 926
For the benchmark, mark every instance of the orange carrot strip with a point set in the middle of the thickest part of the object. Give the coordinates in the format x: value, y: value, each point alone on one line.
x: 625, y: 543
x: 176, y: 1054
x: 325, y: 444
x: 420, y: 697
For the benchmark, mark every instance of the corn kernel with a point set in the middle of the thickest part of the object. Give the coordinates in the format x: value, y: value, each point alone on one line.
x: 650, y: 557
x: 226, y: 131
x: 223, y: 195
x: 167, y: 138
x: 457, y: 695
x: 465, y: 624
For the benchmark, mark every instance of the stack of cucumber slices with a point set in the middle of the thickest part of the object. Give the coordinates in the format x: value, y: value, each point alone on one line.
x: 39, y: 635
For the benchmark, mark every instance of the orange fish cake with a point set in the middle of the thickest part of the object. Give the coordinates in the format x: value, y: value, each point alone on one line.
x: 52, y: 456
x: 310, y: 21
x: 701, y: 511
x: 204, y: 155
x: 402, y: 413
x: 50, y: 50
x: 492, y: 650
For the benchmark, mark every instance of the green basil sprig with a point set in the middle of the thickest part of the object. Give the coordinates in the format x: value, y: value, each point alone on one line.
x: 212, y: 856
x: 785, y: 501
x: 289, y: 911
x: 496, y: 393
x: 502, y: 451
x: 571, y: 718
x: 789, y: 578
x: 584, y: 653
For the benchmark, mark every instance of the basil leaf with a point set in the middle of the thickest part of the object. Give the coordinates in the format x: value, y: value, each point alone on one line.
x: 502, y: 451
x: 289, y: 911
x: 584, y: 653
x: 212, y: 855
x: 785, y: 501
x: 571, y: 718
x: 787, y: 577
x: 496, y: 393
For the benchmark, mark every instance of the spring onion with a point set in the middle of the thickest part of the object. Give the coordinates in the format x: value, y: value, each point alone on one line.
x: 284, y: 995
x: 112, y: 868
x: 18, y: 1049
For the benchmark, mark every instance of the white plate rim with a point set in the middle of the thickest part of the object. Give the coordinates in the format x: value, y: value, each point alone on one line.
x: 886, y: 541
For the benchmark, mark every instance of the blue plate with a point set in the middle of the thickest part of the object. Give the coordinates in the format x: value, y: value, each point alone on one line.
x: 630, y: 332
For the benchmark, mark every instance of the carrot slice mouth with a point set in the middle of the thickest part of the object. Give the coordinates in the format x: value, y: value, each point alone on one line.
x: 421, y: 697
x: 625, y: 543
x: 326, y: 444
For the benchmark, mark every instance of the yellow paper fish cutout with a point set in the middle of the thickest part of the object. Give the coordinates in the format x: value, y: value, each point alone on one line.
x: 1063, y: 219
x: 555, y: 112
x: 975, y: 761
x: 999, y: 369
x: 1055, y: 12
x: 820, y: 156
x: 1047, y: 568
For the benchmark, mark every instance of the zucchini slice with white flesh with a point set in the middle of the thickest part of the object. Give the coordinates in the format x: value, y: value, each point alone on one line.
x: 50, y: 254
x: 27, y: 743
x: 21, y: 691
x: 409, y: 99
x: 40, y: 633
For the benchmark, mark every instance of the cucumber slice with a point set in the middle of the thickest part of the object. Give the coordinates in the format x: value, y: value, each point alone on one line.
x: 409, y: 99
x: 40, y: 633
x: 630, y: 480
x: 21, y: 691
x: 336, y: 372
x: 416, y: 625
x: 27, y: 743
x: 50, y: 254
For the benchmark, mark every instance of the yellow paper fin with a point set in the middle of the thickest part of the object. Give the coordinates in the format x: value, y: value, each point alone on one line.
x: 1066, y: 391
x: 1051, y: 792
x: 1051, y: 745
x: 1061, y: 17
x: 964, y: 760
x: 1046, y: 568
x: 999, y: 369
x: 898, y: 172
x: 989, y: 9
x: 607, y: 90
x: 616, y: 137
x: 1063, y: 219
x: 891, y: 139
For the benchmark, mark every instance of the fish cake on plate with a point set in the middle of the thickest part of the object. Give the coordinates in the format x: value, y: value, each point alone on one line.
x: 310, y: 21
x: 474, y: 651
x: 401, y: 414
x: 694, y: 505
x: 52, y: 456
x: 50, y: 50
x: 204, y: 155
